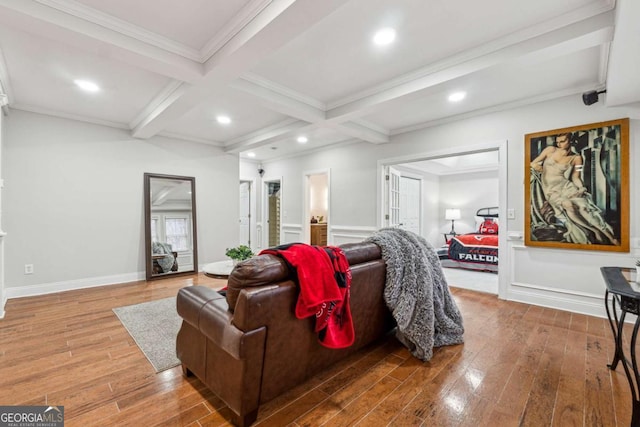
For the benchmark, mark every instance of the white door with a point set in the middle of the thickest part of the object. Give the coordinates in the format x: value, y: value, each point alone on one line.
x: 409, y: 211
x: 245, y: 213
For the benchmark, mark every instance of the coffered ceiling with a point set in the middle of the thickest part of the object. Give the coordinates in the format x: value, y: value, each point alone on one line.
x: 284, y: 69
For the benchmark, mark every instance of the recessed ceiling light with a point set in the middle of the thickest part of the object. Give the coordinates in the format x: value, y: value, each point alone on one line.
x: 303, y: 139
x: 86, y: 85
x: 251, y: 154
x: 457, y: 96
x: 223, y: 120
x: 384, y: 36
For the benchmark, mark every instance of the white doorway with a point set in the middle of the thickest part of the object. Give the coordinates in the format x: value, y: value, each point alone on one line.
x: 272, y: 212
x: 245, y: 213
x: 316, y: 209
x: 499, y: 147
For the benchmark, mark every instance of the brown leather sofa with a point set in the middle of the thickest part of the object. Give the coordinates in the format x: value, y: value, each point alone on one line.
x: 249, y: 347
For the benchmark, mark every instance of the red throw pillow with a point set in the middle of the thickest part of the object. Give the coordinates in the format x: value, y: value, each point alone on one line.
x: 489, y: 226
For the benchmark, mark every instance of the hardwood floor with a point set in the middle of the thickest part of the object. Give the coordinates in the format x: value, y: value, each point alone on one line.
x: 520, y: 365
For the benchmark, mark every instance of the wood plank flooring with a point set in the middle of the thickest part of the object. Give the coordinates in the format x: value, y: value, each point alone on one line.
x: 520, y: 365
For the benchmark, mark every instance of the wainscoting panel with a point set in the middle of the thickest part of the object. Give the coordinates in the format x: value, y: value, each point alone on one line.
x: 562, y: 279
x: 341, y: 234
x: 291, y: 233
x: 257, y: 244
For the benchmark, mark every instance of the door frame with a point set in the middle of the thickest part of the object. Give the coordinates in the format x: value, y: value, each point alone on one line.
x: 501, y: 147
x: 306, y: 209
x: 265, y: 210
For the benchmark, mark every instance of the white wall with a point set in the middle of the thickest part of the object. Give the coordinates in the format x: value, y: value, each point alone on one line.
x: 431, y: 208
x: 551, y: 277
x: 73, y: 201
x: 467, y: 192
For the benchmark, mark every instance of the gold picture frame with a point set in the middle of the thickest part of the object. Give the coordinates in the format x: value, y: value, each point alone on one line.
x: 577, y: 195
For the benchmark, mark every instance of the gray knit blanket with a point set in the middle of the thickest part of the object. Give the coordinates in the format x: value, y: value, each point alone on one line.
x: 417, y: 293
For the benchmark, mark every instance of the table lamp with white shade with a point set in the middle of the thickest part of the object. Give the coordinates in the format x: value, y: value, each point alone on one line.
x: 452, y: 215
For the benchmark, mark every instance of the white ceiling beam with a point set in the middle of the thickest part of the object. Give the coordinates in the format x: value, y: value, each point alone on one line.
x: 277, y: 100
x: 5, y: 81
x: 276, y: 25
x: 472, y: 61
x: 64, y: 27
x: 269, y: 136
x: 360, y: 131
x: 296, y: 105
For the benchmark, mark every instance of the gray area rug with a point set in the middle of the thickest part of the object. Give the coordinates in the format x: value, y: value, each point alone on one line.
x: 154, y: 326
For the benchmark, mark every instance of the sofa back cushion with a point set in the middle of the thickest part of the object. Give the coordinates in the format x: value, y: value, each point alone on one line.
x: 266, y: 269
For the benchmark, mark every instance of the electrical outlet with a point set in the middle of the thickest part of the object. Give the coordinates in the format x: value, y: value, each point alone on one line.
x: 28, y: 269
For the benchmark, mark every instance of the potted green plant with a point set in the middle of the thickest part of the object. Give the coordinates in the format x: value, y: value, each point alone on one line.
x: 239, y: 253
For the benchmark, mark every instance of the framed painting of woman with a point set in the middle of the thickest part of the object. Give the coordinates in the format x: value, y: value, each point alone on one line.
x: 577, y: 195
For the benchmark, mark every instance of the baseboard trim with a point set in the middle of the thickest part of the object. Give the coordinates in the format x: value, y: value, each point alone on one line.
x: 70, y: 285
x: 575, y: 302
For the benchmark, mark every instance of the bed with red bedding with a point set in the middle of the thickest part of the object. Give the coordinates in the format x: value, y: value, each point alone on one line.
x: 474, y: 251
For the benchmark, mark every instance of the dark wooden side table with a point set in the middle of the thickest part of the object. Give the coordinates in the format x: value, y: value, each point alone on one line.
x: 623, y: 296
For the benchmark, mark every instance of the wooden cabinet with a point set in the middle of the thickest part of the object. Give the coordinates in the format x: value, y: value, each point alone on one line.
x: 319, y: 234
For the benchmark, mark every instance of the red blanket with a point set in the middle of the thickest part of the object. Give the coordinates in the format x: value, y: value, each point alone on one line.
x: 324, y: 279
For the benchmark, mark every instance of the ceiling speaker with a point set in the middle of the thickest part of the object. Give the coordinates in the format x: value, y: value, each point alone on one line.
x: 591, y: 97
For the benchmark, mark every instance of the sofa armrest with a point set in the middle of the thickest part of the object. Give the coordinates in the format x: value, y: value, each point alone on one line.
x: 190, y: 301
x: 207, y: 311
x: 228, y: 360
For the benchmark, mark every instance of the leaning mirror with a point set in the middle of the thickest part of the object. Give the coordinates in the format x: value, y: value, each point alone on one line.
x: 170, y: 225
